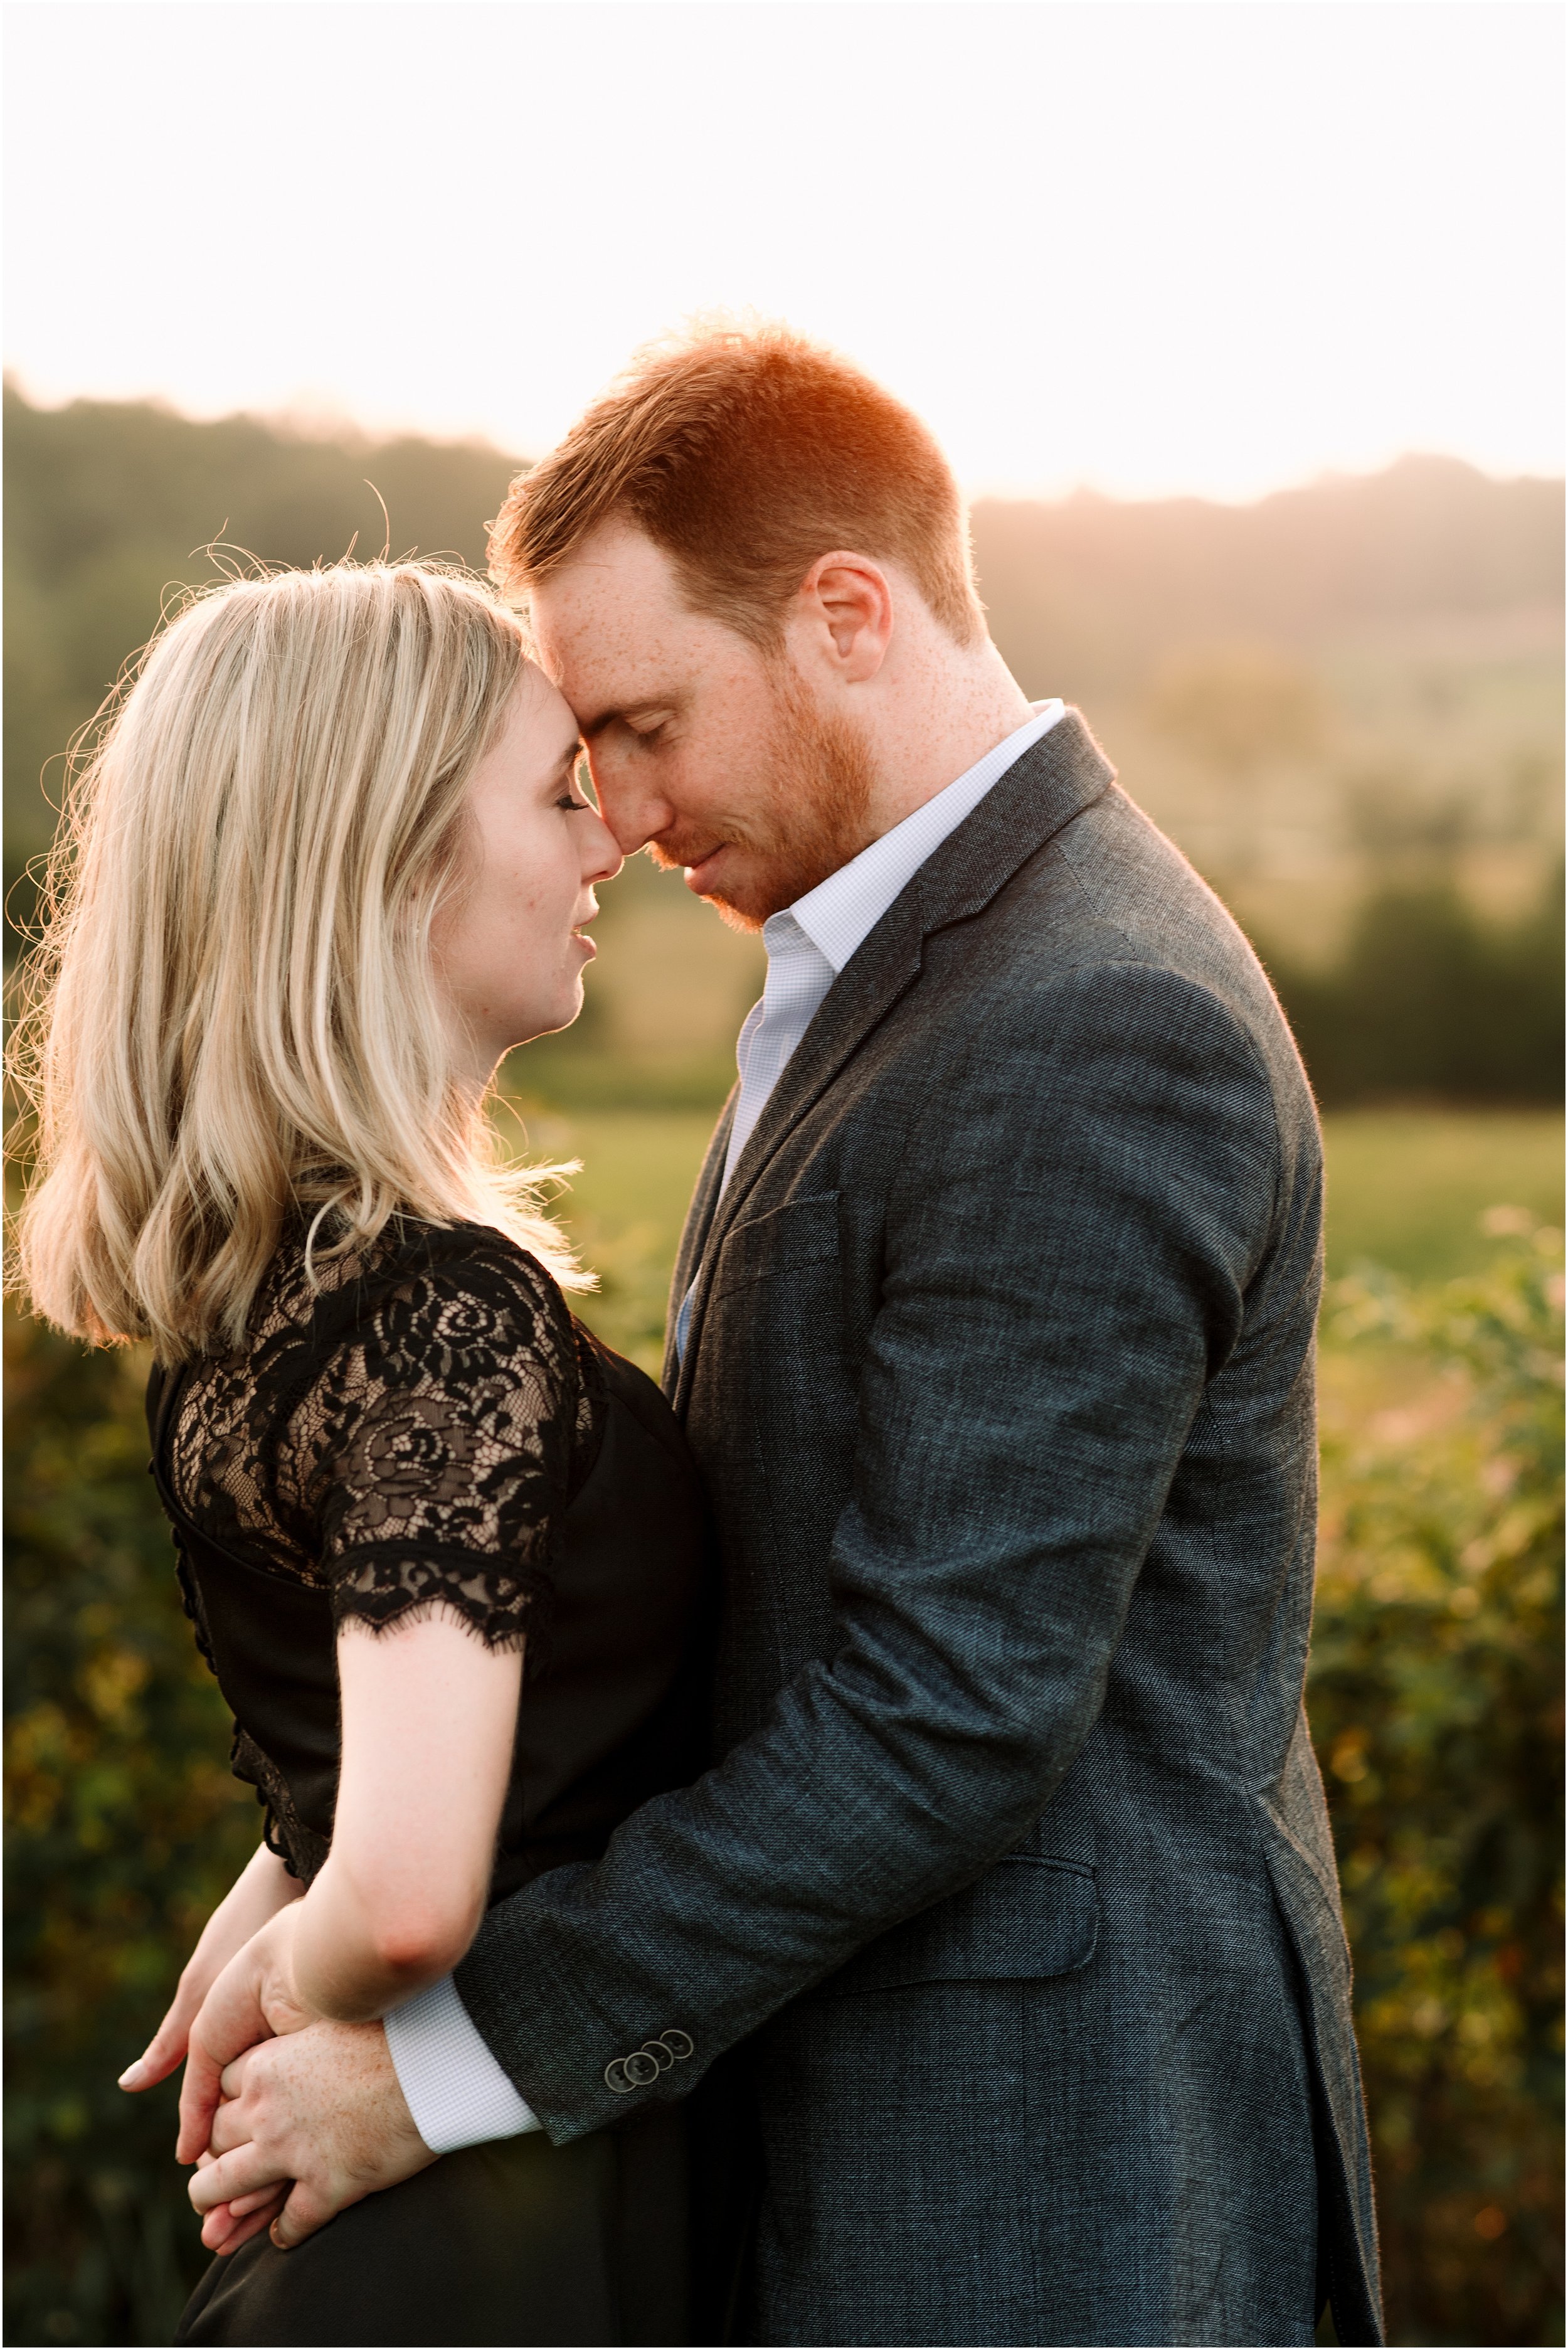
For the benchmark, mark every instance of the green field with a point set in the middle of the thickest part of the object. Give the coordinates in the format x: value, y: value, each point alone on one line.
x: 1407, y: 1189
x: 623, y: 1208
x: 1431, y: 1685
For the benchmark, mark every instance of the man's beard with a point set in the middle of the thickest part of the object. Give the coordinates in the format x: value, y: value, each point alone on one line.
x: 817, y: 814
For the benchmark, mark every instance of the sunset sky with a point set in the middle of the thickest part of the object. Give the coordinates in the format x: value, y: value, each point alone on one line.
x: 1147, y: 247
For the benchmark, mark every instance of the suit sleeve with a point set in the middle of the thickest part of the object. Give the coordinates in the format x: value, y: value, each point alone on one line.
x: 1065, y: 1268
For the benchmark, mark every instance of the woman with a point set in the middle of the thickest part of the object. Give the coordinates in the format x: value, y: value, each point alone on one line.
x: 443, y: 1550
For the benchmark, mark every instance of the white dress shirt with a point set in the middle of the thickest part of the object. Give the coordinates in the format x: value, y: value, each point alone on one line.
x: 456, y: 2091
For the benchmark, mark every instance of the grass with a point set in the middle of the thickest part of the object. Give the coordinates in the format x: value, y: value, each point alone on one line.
x: 1406, y: 1189
x: 624, y: 1209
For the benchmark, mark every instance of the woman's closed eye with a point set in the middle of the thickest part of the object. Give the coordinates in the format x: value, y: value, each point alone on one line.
x: 575, y: 798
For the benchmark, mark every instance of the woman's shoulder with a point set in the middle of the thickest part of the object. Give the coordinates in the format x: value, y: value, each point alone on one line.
x: 419, y: 1302
x: 445, y: 1288
x: 437, y: 1341
x: 453, y: 1337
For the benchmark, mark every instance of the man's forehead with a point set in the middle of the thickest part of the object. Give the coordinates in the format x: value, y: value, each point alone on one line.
x: 617, y: 569
x: 607, y: 665
x: 615, y: 633
x: 608, y: 603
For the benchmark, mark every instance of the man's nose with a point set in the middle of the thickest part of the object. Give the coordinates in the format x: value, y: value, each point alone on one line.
x: 633, y: 812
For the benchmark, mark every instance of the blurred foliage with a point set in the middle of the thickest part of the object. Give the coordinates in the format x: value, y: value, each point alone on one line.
x: 1415, y: 780
x: 1430, y: 999
x: 1435, y: 1702
x: 1100, y: 589
x: 1436, y: 1699
x: 1408, y: 1190
x: 108, y: 505
x: 1238, y: 705
x: 124, y: 1827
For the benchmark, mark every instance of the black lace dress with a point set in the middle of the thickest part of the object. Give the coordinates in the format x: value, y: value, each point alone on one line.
x: 428, y: 1426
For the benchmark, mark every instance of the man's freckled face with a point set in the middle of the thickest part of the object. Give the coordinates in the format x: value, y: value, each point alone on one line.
x: 691, y: 744
x: 678, y: 705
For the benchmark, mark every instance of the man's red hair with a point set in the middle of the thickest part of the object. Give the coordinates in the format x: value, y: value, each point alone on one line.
x: 746, y: 454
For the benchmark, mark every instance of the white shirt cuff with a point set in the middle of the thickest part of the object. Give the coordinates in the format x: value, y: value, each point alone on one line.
x: 456, y: 2091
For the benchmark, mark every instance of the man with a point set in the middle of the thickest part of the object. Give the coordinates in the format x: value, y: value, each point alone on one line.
x: 992, y: 1327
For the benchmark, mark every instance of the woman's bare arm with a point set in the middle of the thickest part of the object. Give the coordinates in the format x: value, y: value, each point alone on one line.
x: 430, y: 1719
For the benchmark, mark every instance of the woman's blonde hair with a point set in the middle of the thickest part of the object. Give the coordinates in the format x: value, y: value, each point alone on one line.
x: 232, y: 1017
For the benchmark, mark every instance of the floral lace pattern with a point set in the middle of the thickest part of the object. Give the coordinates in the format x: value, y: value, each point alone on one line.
x: 407, y: 1432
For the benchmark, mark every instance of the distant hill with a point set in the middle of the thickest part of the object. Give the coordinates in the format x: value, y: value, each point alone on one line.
x: 107, y: 505
x: 1337, y: 683
x: 1102, y: 590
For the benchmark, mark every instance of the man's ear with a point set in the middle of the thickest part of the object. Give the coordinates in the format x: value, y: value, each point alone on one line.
x: 846, y: 606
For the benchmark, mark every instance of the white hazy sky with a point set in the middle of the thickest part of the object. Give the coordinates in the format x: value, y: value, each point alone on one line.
x: 1211, y: 245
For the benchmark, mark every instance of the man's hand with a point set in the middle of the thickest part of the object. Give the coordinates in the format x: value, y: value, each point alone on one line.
x: 253, y: 1998
x: 320, y: 2107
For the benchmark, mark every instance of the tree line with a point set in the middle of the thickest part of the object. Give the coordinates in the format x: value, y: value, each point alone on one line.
x: 110, y: 508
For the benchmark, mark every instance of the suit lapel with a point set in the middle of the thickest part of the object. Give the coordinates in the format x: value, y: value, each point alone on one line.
x: 694, y: 1232
x: 868, y: 987
x: 1056, y: 779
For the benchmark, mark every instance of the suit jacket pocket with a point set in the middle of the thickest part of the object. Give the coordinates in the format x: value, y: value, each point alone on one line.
x: 1024, y: 1919
x: 803, y: 1232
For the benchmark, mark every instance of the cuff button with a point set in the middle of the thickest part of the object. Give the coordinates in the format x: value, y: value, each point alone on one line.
x: 680, y: 2044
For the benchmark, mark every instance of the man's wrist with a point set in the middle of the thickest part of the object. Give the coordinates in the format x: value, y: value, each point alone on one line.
x: 455, y: 2090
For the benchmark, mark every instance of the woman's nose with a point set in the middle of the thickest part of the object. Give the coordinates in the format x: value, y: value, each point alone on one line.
x: 602, y: 859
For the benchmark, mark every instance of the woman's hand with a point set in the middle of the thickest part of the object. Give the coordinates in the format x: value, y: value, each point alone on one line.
x: 255, y: 1998
x: 263, y: 1888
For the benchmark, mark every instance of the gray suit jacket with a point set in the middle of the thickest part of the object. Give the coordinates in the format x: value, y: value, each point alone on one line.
x: 1014, y: 1871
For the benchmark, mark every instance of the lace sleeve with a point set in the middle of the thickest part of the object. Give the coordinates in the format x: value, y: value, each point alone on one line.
x: 442, y: 1459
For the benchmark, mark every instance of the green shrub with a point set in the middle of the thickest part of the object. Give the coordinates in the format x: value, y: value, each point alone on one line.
x: 124, y: 1827
x: 1436, y: 1705
x: 1431, y: 999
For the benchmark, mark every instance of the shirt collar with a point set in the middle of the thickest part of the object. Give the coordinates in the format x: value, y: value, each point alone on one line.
x: 842, y: 911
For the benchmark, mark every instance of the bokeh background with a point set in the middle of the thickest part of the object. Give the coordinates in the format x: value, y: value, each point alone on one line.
x: 1242, y: 325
